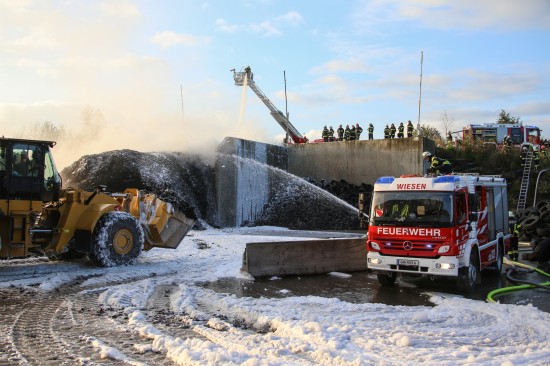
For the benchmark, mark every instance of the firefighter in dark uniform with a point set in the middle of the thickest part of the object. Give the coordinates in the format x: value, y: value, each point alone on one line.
x: 524, y: 152
x: 347, y: 133
x: 358, y: 131
x: 340, y: 132
x: 516, y: 230
x: 386, y: 132
x: 352, y: 133
x: 509, y: 141
x: 410, y: 129
x: 324, y: 134
x: 449, y: 137
x: 331, y: 134
x: 438, y: 166
x: 371, y: 131
x: 401, y: 130
x: 392, y: 131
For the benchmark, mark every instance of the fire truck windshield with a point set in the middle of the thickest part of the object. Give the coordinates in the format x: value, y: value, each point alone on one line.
x: 412, y: 208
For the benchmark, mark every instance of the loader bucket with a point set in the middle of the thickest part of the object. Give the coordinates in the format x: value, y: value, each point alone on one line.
x: 163, y: 226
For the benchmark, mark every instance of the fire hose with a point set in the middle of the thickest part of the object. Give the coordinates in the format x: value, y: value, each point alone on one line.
x: 519, y: 284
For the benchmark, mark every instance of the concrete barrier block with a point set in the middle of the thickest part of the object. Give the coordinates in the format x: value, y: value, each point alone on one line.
x: 305, y: 257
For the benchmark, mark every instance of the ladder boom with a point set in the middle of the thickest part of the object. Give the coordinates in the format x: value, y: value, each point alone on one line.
x: 279, y: 116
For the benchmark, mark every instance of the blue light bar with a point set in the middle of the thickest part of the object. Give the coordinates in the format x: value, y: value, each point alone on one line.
x: 385, y: 180
x: 446, y: 179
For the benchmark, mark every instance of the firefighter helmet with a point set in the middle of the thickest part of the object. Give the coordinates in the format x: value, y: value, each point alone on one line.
x: 426, y: 154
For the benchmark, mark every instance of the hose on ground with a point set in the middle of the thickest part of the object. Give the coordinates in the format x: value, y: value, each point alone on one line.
x: 524, y: 286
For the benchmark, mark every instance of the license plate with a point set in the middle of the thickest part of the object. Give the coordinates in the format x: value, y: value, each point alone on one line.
x: 407, y: 262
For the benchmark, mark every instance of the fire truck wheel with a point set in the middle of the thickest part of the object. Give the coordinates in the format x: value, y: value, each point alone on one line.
x: 468, y: 276
x: 497, y: 266
x: 117, y: 239
x: 387, y: 278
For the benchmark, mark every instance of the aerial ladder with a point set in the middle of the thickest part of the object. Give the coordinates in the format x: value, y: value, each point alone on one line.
x: 527, y: 157
x: 246, y: 77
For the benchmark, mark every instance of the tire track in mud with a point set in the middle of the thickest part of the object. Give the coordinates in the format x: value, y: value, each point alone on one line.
x: 68, y: 327
x: 160, y: 314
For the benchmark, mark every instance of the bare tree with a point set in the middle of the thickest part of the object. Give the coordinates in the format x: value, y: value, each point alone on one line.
x: 42, y: 130
x: 93, y: 120
x: 447, y: 121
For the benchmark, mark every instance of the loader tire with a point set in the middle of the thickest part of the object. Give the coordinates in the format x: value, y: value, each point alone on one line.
x: 117, y: 239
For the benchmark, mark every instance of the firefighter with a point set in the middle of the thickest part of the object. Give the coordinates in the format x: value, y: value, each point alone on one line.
x: 386, y: 132
x: 331, y: 134
x: 449, y: 137
x: 401, y: 131
x: 507, y: 142
x: 438, y: 166
x: 410, y: 129
x: 524, y: 152
x: 324, y: 134
x: 340, y: 132
x: 516, y: 230
x: 371, y: 131
x: 392, y: 131
x: 358, y: 130
x: 400, y: 209
x: 347, y: 133
x: 352, y: 133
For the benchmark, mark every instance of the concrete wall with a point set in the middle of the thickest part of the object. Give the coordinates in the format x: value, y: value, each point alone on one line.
x: 243, y: 178
x: 358, y: 161
x: 245, y: 174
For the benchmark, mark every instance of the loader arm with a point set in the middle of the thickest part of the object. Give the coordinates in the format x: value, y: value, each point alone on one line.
x: 80, y: 212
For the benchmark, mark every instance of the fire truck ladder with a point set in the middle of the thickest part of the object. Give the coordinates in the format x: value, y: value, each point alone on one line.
x: 275, y: 113
x: 525, y: 180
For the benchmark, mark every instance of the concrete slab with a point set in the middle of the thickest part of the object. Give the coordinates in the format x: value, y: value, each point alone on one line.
x: 305, y: 257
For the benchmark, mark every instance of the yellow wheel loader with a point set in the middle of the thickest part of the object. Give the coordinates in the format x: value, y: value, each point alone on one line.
x: 38, y: 217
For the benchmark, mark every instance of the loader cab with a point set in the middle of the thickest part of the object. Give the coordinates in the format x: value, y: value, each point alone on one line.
x: 27, y: 171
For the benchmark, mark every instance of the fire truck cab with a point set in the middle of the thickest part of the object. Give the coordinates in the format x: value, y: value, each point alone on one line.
x: 449, y: 226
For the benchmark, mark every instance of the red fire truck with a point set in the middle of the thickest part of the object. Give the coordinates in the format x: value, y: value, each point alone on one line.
x: 495, y: 133
x: 451, y: 226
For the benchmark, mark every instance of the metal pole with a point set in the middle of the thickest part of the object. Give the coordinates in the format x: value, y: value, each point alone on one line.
x: 420, y: 95
x: 182, y: 111
x: 286, y: 107
x: 537, y: 186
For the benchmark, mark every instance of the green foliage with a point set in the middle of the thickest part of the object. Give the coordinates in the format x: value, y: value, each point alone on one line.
x: 488, y: 159
x: 430, y: 132
x: 505, y: 118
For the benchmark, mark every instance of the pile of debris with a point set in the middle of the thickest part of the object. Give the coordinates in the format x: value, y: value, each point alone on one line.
x: 188, y: 182
x: 344, y: 190
x: 184, y: 180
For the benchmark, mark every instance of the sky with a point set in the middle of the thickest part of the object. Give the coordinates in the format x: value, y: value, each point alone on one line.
x: 155, y: 75
x: 286, y: 329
